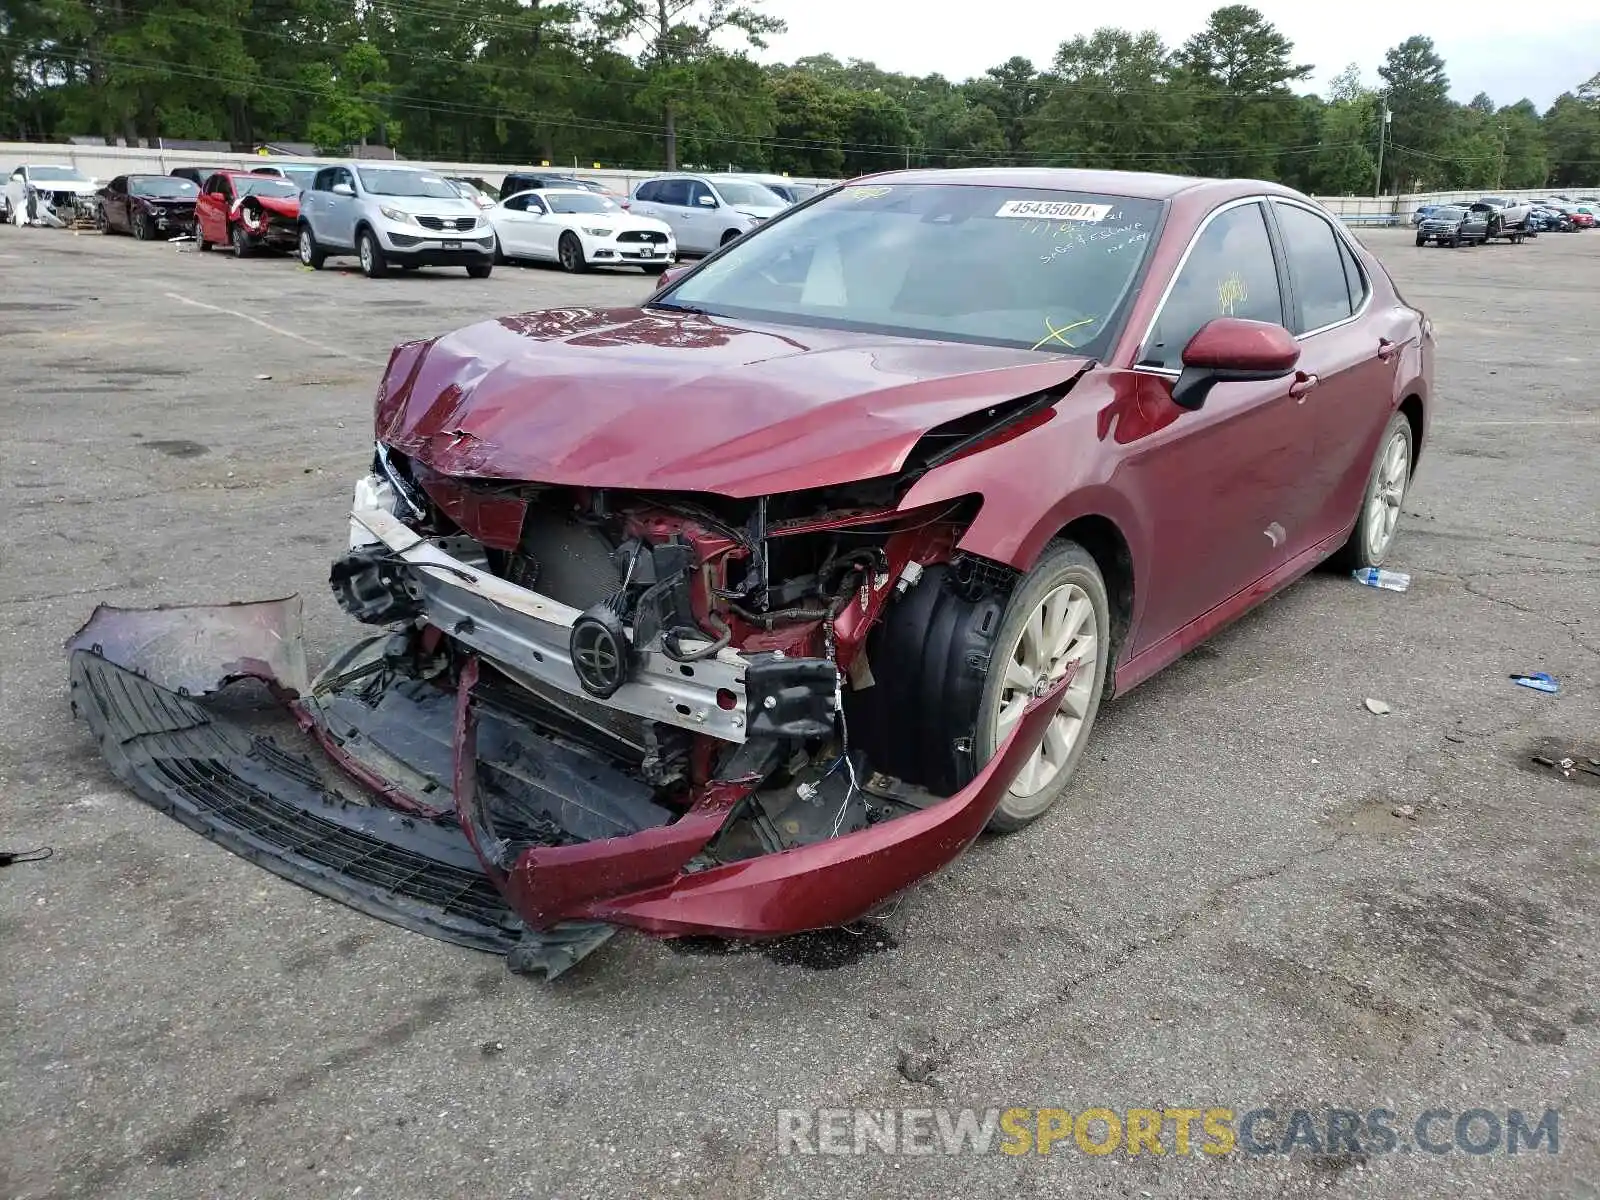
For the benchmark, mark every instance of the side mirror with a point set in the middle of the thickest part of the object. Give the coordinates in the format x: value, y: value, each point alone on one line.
x: 1233, y: 350
x: 343, y: 189
x: 707, y: 201
x: 672, y: 274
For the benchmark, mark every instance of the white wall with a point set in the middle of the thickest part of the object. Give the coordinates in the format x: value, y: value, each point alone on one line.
x: 103, y: 162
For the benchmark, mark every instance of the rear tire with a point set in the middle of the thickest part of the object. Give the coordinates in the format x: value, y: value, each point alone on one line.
x: 655, y: 269
x: 480, y: 271
x: 1388, y: 481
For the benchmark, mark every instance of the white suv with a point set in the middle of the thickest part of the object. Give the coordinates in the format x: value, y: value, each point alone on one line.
x: 705, y: 211
x: 388, y: 215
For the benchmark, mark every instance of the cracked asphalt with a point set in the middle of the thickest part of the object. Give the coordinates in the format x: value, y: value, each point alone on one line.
x: 1260, y: 896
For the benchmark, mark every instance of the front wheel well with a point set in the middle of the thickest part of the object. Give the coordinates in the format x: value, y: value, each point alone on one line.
x: 1106, y: 544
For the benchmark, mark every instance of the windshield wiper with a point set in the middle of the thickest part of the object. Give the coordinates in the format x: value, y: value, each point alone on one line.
x: 683, y: 308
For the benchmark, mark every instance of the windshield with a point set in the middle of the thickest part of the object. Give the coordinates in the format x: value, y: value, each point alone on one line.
x: 1448, y: 210
x: 801, y: 191
x: 573, y: 202
x: 162, y: 187
x: 56, y: 175
x: 751, y: 195
x: 390, y: 181
x: 263, y: 185
x: 1004, y: 266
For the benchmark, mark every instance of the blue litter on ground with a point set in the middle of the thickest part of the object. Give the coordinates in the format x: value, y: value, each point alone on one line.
x: 1538, y: 681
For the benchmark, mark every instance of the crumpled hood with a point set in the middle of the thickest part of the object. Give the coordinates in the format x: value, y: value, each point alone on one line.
x: 653, y: 399
x: 283, y: 206
x: 63, y: 185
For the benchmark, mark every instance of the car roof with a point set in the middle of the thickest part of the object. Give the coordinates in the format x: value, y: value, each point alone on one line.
x: 1140, y: 185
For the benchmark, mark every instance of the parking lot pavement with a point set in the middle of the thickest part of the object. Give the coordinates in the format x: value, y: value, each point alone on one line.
x: 1261, y: 895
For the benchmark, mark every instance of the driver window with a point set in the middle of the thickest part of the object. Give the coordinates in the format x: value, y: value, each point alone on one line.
x: 535, y: 205
x: 674, y: 191
x: 119, y: 184
x: 700, y: 196
x: 1230, y: 273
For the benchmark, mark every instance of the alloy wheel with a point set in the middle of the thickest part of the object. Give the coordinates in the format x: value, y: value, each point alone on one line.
x: 1063, y: 630
x: 1388, y: 491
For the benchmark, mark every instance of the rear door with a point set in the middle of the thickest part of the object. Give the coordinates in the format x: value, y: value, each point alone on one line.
x: 1353, y: 352
x: 672, y: 205
x: 1222, y: 484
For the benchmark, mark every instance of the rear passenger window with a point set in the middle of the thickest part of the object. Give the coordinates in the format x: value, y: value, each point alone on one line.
x: 1230, y: 272
x: 1316, y: 267
x: 1355, y: 280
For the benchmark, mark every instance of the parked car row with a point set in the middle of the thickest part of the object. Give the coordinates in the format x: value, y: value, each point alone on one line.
x: 389, y: 215
x: 1469, y: 224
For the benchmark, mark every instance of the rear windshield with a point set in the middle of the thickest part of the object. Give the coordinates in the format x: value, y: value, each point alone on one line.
x: 1041, y: 269
x: 162, y: 187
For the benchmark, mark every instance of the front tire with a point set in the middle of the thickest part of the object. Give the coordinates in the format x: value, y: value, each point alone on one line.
x: 1058, y: 615
x: 1387, y: 484
x: 570, y: 254
x: 311, y: 255
x: 373, y: 264
x: 1421, y: 241
x: 654, y: 269
x: 241, y: 242
x: 141, y: 227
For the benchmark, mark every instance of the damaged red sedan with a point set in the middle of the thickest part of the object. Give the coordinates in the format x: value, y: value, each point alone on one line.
x: 741, y: 611
x: 248, y: 212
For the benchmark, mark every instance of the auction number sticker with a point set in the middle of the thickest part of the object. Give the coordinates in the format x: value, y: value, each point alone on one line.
x: 1053, y: 210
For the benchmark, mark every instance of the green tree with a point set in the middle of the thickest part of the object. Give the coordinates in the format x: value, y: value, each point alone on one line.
x: 1418, y: 95
x: 1013, y: 92
x: 1572, y: 130
x: 1112, y: 103
x: 678, y: 38
x: 1239, y: 69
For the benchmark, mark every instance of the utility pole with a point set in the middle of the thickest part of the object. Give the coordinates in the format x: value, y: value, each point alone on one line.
x: 1383, y: 128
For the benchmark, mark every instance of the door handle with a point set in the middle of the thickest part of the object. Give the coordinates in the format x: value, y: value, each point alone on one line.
x: 1387, y: 349
x: 1302, y: 385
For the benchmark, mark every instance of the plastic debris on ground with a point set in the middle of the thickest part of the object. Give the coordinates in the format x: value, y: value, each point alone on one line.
x: 1538, y: 681
x: 1389, y: 581
x: 1377, y: 707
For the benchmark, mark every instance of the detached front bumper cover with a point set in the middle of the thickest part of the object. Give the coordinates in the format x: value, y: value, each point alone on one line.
x: 469, y: 824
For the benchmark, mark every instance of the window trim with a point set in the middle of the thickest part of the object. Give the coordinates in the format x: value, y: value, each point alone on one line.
x: 1278, y: 266
x: 1339, y: 235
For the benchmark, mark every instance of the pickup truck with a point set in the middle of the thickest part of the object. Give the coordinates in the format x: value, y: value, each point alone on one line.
x: 1508, y: 218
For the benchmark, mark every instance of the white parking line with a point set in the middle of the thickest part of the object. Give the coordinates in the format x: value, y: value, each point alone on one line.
x: 275, y: 329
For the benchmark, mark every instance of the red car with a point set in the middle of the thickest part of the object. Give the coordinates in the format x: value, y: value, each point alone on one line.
x: 248, y: 212
x: 741, y: 611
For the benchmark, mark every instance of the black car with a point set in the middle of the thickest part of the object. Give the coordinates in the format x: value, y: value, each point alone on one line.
x: 533, y: 182
x: 147, y: 206
x: 197, y: 175
x: 1455, y: 225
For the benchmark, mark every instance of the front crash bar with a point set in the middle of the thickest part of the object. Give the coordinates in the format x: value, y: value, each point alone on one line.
x: 528, y: 635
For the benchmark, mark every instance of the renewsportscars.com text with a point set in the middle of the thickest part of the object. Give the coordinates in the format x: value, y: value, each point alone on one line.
x: 1215, y: 1131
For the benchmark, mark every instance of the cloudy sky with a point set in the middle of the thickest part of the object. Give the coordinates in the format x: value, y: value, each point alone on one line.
x: 1556, y: 52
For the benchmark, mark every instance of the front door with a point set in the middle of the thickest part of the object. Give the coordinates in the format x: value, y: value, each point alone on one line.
x: 211, y: 210
x: 1221, y: 484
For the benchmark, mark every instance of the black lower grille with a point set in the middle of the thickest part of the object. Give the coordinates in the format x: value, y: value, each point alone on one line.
x: 248, y: 794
